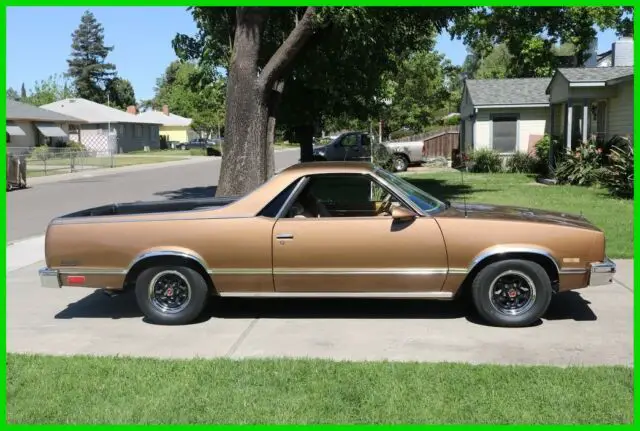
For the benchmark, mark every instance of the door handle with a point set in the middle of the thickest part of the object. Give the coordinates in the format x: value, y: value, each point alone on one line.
x: 284, y: 236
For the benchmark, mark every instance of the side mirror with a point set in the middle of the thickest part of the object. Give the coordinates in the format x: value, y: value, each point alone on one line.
x: 402, y: 213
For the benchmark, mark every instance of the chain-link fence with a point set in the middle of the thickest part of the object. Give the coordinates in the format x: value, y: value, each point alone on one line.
x: 43, y: 160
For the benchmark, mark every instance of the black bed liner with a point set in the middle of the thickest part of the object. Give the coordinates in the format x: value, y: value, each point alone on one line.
x: 149, y: 207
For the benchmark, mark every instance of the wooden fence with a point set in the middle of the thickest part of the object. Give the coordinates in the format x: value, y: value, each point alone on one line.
x: 442, y: 144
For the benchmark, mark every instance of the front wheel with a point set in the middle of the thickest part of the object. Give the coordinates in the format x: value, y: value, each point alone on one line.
x: 171, y: 295
x: 512, y: 293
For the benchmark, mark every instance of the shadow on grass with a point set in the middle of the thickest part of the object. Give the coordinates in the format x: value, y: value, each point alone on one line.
x: 189, y: 193
x: 564, y: 306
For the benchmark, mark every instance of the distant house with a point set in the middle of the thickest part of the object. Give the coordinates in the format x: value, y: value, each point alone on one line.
x: 173, y: 127
x: 576, y: 104
x: 105, y: 129
x: 29, y: 126
x: 506, y: 115
x: 591, y: 103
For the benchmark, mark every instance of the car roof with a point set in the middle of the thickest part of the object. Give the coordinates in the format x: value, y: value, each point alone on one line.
x: 310, y: 168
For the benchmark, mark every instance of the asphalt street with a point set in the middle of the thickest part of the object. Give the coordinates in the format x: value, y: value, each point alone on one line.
x: 30, y: 210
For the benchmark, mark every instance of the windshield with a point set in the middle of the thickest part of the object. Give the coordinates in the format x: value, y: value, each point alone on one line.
x: 422, y: 199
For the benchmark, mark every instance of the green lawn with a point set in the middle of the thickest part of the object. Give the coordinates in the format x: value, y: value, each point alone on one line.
x: 44, y: 389
x: 614, y: 216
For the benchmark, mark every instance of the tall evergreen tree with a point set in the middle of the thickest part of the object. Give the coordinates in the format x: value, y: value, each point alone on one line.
x: 23, y: 92
x: 87, y: 64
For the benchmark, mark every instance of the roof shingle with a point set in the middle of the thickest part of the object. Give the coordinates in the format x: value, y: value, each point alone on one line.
x: 595, y: 74
x: 520, y: 91
x: 23, y: 111
x: 93, y: 112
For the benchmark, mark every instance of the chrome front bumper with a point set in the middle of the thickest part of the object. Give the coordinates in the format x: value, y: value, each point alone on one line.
x: 602, y: 272
x: 49, y: 278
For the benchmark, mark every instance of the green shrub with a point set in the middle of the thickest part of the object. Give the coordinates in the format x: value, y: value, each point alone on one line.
x: 381, y: 157
x: 41, y: 153
x: 451, y: 121
x: 398, y: 134
x: 542, y: 148
x: 584, y: 167
x: 618, y: 175
x: 486, y: 160
x: 521, y: 163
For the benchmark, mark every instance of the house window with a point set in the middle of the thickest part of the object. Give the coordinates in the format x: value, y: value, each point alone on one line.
x: 138, y: 131
x: 505, y: 133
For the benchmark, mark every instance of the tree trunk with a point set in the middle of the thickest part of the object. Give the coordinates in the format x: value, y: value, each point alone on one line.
x: 245, y: 163
x: 304, y: 136
x: 243, y: 166
x: 274, y: 102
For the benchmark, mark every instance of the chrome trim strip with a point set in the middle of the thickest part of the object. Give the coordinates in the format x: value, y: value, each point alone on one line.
x: 382, y: 295
x: 239, y: 271
x: 67, y: 270
x: 359, y: 271
x: 458, y: 271
x: 506, y: 249
x: 158, y: 253
x: 572, y: 271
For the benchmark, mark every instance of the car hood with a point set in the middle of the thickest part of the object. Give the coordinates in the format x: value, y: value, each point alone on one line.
x: 514, y: 213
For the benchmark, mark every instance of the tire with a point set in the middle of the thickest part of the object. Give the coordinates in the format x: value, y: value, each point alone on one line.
x: 495, y: 308
x: 400, y: 163
x: 160, y: 310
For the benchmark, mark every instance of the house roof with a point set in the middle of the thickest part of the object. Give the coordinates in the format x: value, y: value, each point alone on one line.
x: 497, y: 92
x: 23, y: 111
x: 165, y: 120
x: 595, y: 74
x: 93, y: 112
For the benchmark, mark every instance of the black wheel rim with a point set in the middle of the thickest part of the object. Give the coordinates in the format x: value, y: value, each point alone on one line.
x: 512, y: 293
x: 169, y: 292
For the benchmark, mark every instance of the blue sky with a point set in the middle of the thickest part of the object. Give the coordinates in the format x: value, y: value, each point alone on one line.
x: 39, y: 42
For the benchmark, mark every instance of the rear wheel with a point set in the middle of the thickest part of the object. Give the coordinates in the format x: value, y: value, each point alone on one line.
x: 400, y: 162
x: 171, y: 295
x: 512, y: 293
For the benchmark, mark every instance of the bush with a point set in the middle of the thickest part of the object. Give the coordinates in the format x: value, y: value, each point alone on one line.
x: 521, y: 163
x: 451, y: 121
x: 618, y: 175
x: 542, y: 148
x: 41, y: 153
x: 381, y: 157
x: 584, y: 167
x: 486, y: 160
x: 399, y: 134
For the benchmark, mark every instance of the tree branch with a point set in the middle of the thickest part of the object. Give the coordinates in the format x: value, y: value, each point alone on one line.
x: 287, y: 52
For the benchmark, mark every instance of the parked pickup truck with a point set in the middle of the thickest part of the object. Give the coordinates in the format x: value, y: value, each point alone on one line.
x: 356, y: 146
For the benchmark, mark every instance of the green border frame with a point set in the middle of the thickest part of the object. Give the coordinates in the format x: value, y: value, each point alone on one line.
x: 446, y: 3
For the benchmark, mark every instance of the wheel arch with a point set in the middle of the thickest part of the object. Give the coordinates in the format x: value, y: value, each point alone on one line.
x: 159, y: 257
x: 542, y: 257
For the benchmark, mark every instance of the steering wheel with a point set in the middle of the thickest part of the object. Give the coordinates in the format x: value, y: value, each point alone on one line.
x: 385, y: 206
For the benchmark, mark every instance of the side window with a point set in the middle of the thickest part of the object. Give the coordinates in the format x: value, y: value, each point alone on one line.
x: 272, y: 208
x: 366, y: 141
x: 342, y: 195
x: 350, y: 141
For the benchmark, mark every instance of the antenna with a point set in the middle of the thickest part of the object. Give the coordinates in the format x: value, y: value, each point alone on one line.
x: 464, y: 196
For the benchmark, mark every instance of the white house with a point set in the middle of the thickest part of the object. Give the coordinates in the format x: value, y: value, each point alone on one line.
x: 29, y: 126
x: 506, y: 115
x: 576, y: 104
x: 108, y: 129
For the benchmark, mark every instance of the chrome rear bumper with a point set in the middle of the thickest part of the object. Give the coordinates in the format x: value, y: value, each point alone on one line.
x: 49, y: 278
x: 602, y: 272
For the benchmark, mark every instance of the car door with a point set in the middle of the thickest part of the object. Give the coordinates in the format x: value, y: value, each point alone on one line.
x: 351, y: 145
x: 352, y: 249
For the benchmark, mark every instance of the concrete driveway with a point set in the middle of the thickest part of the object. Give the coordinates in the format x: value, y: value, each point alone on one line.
x: 592, y: 326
